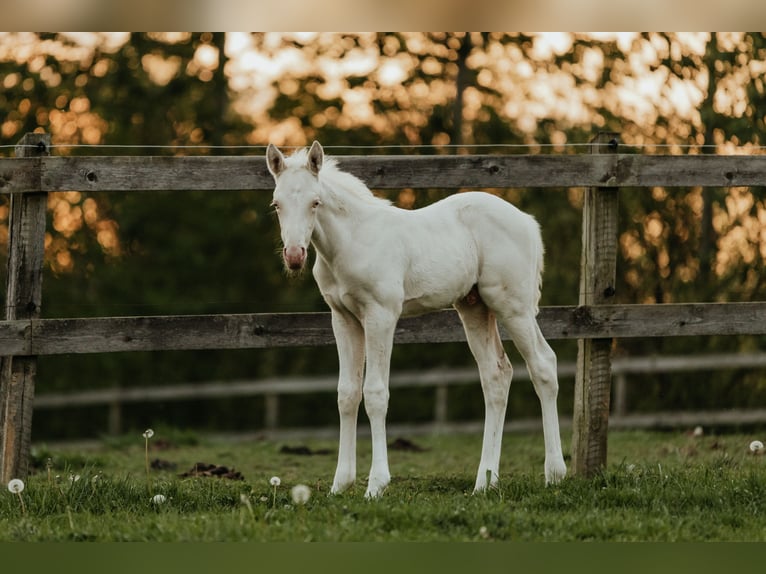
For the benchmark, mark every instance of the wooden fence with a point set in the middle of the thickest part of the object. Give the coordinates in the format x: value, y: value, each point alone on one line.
x: 33, y: 173
x: 441, y: 379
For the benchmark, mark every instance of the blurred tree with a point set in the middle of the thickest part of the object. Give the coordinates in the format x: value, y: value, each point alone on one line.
x: 214, y: 252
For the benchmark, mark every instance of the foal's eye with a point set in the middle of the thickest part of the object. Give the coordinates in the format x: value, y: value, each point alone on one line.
x: 316, y: 203
x: 275, y: 205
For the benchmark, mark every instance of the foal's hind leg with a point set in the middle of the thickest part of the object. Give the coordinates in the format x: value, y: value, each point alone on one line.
x: 495, y: 371
x: 541, y: 362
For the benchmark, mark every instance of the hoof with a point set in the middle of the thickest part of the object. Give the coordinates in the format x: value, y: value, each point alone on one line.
x: 376, y: 486
x: 340, y: 484
x: 485, y: 480
x: 555, y: 471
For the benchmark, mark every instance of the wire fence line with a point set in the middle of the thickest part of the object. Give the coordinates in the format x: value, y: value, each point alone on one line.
x: 741, y: 149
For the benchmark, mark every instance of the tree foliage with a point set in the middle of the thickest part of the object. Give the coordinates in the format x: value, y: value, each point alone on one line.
x: 186, y: 252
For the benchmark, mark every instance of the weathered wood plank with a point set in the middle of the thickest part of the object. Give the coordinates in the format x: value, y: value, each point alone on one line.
x: 378, y: 172
x: 672, y: 320
x: 264, y: 330
x: 190, y: 173
x: 477, y: 171
x: 153, y: 173
x: 15, y: 339
x: 687, y: 170
x: 593, y: 381
x: 23, y: 296
x: 19, y: 175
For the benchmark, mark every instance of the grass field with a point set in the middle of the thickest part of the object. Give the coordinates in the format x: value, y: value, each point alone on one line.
x: 656, y: 487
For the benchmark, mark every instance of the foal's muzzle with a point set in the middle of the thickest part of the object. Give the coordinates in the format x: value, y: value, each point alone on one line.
x: 295, y: 257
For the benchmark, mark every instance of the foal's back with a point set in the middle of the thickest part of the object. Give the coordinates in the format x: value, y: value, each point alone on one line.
x: 467, y: 240
x: 508, y: 242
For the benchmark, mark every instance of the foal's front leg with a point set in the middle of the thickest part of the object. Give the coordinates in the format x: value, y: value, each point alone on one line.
x: 349, y: 338
x: 379, y: 327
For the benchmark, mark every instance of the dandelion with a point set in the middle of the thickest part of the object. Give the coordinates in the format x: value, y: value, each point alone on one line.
x: 74, y: 478
x: 275, y: 482
x: 16, y: 486
x: 49, y: 466
x: 483, y: 532
x: 698, y: 431
x: 300, y: 493
x: 756, y: 446
x: 148, y: 433
x: 158, y: 499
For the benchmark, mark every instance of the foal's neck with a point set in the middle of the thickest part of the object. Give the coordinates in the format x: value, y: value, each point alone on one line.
x: 339, y: 217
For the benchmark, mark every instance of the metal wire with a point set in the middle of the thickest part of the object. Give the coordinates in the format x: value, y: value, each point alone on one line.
x: 622, y: 145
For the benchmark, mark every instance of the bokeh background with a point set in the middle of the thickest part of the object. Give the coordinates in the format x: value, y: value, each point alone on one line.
x: 374, y: 92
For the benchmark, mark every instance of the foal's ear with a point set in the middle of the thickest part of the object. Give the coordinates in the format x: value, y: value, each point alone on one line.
x: 275, y: 160
x: 316, y: 156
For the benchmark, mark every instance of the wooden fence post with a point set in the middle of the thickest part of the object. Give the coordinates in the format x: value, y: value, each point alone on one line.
x: 620, y: 391
x: 597, y: 280
x: 271, y: 411
x: 26, y: 248
x: 440, y: 407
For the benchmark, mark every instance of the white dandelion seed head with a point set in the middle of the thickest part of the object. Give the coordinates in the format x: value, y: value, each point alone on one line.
x: 158, y: 498
x: 484, y: 532
x: 74, y: 478
x: 698, y: 431
x: 756, y: 446
x: 148, y: 433
x: 275, y: 481
x: 300, y: 493
x: 15, y: 485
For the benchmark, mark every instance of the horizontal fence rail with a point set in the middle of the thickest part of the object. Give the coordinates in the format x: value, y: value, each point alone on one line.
x: 439, y: 378
x: 434, y: 377
x: 198, y: 173
x: 33, y: 173
x: 267, y: 330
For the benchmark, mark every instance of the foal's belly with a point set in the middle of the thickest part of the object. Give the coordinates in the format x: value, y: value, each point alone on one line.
x: 437, y: 296
x: 441, y: 277
x: 425, y: 305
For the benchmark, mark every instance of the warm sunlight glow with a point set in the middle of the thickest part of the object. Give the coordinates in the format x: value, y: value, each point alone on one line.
x: 395, y: 85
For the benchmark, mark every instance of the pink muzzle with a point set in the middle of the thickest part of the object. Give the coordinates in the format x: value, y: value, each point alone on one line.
x: 294, y: 257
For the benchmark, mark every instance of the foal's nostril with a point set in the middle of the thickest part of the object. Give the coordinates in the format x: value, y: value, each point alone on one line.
x: 294, y: 256
x: 292, y: 251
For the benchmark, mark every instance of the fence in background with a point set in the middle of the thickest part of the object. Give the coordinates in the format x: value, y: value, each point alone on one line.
x: 30, y: 176
x: 440, y: 379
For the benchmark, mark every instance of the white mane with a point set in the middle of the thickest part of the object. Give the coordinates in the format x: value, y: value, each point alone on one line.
x: 334, y: 178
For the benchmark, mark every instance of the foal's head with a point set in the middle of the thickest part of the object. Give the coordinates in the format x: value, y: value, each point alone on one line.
x: 296, y: 199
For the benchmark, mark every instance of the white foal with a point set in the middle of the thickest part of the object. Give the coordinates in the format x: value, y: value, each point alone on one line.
x: 376, y: 262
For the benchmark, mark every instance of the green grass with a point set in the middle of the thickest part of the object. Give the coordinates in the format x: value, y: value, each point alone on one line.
x: 656, y: 487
